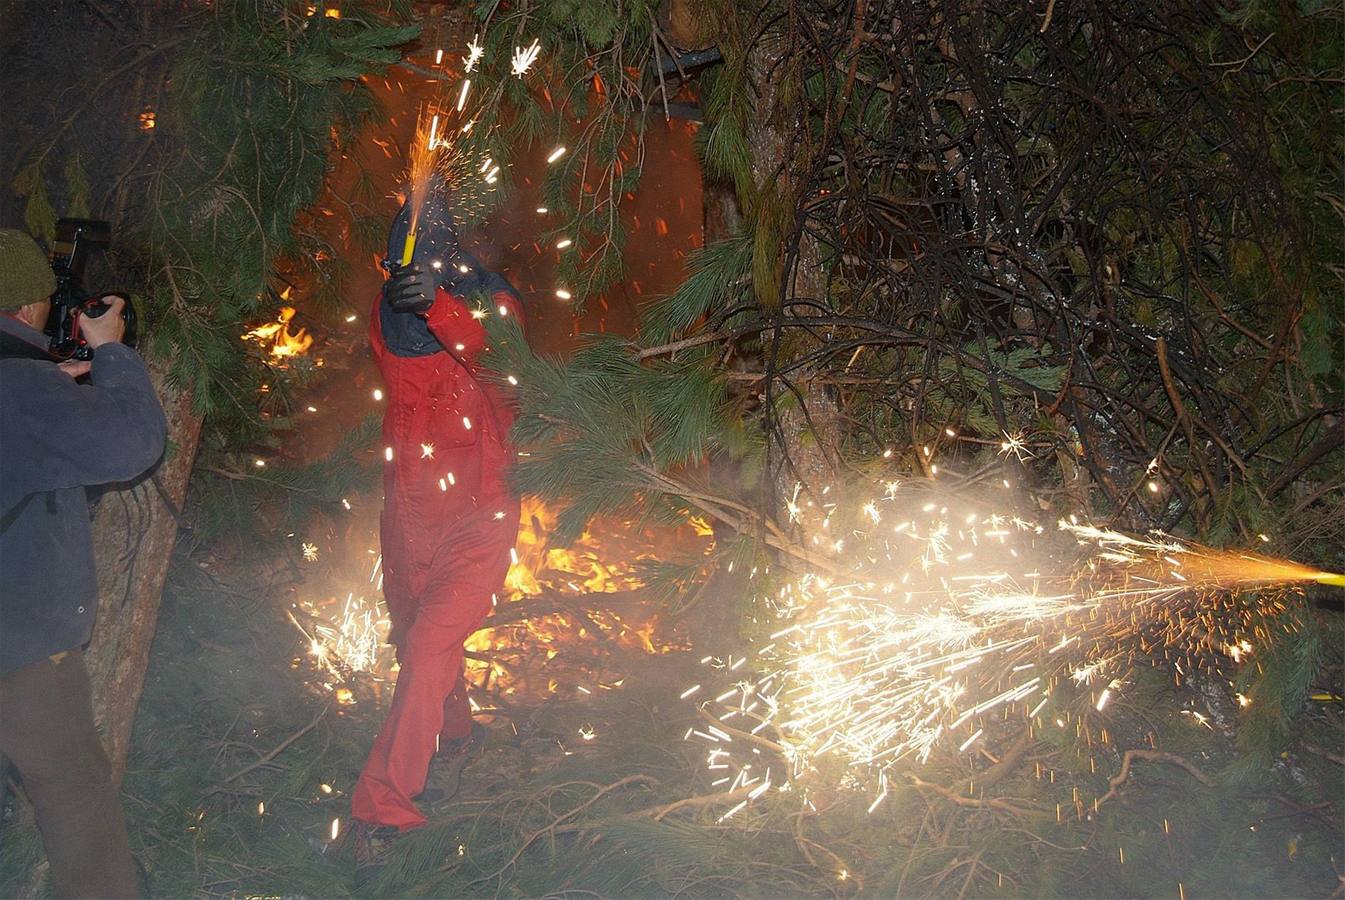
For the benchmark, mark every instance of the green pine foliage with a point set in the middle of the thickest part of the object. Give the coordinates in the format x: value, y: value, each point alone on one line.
x: 232, y: 497
x: 1276, y: 684
x: 256, y: 97
x: 588, y: 92
x: 966, y: 313
x: 1214, y: 237
x: 619, y: 436
x: 255, y: 100
x: 716, y: 279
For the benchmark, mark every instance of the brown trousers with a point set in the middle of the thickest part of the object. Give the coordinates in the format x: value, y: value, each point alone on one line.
x: 47, y: 731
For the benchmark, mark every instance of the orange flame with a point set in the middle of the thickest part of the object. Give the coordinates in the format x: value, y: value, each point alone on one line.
x: 283, y: 342
x: 579, y: 569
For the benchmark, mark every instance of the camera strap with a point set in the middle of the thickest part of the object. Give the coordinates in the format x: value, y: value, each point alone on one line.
x: 15, y: 511
x: 15, y: 347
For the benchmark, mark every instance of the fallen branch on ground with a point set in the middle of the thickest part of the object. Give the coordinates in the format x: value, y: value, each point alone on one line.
x: 560, y: 820
x: 658, y: 812
x: 998, y: 804
x: 1120, y: 778
x: 1324, y: 753
x: 739, y: 733
x: 279, y: 748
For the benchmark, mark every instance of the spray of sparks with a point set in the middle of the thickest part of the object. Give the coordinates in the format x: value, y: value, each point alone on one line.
x: 474, y: 53
x: 444, y: 149
x: 948, y: 619
x: 347, y: 636
x: 425, y: 159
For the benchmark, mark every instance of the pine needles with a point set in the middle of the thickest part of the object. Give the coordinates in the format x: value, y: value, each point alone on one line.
x: 252, y: 107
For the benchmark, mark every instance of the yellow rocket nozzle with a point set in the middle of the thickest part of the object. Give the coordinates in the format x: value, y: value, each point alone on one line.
x: 409, y: 248
x: 1330, y: 578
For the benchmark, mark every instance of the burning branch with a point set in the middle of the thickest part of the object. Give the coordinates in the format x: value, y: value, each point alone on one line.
x: 550, y: 602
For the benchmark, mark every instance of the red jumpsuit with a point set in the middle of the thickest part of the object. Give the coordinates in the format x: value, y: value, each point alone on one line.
x: 448, y: 524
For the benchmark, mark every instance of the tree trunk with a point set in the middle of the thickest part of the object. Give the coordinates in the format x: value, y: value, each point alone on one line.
x: 135, y: 531
x: 808, y: 430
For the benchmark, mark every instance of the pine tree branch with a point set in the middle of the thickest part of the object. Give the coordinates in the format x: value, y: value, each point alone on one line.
x: 999, y: 804
x: 739, y: 733
x: 1336, y: 758
x: 698, y: 802
x: 700, y: 340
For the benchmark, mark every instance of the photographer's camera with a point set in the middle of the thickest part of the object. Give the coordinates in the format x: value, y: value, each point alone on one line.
x: 76, y: 240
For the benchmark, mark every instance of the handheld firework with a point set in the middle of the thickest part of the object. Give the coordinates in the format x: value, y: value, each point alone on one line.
x: 424, y: 156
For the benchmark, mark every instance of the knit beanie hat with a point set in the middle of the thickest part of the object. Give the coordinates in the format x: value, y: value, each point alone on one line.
x: 25, y: 274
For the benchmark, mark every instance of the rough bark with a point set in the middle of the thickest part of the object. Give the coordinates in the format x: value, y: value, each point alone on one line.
x: 686, y: 25
x: 808, y: 429
x: 134, y: 535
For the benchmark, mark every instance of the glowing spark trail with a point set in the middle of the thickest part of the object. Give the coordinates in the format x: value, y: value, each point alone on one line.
x: 525, y: 57
x: 424, y: 159
x: 474, y: 53
x: 951, y: 614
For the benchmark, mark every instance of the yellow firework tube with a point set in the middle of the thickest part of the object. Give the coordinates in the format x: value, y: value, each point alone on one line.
x: 409, y: 247
x: 1330, y: 578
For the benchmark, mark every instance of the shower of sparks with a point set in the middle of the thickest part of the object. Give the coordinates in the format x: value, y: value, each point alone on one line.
x: 424, y: 160
x: 524, y: 57
x: 347, y: 637
x: 1014, y: 445
x: 440, y: 153
x: 946, y: 615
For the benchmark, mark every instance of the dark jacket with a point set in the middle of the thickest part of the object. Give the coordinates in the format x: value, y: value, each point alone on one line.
x: 56, y: 437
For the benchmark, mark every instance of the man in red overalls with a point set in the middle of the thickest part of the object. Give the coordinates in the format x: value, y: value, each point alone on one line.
x: 449, y: 519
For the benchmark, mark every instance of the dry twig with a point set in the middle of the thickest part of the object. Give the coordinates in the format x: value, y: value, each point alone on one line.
x: 276, y: 751
x: 1119, y: 779
x: 561, y: 820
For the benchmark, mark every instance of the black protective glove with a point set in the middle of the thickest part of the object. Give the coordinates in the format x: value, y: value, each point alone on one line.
x: 409, y: 289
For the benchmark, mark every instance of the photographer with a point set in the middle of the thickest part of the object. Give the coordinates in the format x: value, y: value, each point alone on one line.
x: 58, y: 436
